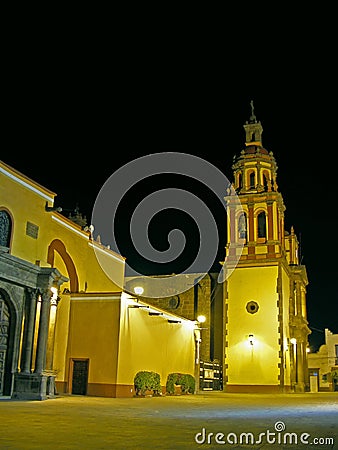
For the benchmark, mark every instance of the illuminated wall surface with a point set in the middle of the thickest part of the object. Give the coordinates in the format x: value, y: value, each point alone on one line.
x: 253, y: 359
x: 154, y: 343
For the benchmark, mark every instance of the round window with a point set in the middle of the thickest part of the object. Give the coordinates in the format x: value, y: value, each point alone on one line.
x: 252, y: 307
x: 174, y: 302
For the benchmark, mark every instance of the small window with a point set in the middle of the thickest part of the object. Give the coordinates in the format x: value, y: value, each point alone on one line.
x: 265, y: 182
x: 261, y: 225
x: 240, y: 181
x: 252, y: 182
x: 242, y: 234
x: 252, y: 307
x: 32, y: 230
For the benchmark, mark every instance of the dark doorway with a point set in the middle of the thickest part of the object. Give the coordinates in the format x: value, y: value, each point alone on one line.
x: 80, y: 376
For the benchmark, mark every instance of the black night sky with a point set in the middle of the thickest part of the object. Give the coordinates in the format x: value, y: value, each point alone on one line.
x: 70, y: 126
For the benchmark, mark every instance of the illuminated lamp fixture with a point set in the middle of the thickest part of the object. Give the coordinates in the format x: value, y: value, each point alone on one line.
x: 173, y: 321
x: 138, y: 306
x: 138, y: 290
x: 293, y: 341
x: 251, y: 339
x: 201, y: 318
x: 152, y: 313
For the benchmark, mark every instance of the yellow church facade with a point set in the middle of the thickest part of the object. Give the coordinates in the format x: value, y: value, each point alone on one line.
x: 256, y: 324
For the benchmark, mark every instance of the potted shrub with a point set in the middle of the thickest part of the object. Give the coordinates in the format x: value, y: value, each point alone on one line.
x: 147, y: 381
x: 185, y: 381
x: 188, y: 383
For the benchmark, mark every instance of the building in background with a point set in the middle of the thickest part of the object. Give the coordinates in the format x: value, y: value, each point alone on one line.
x: 323, y: 365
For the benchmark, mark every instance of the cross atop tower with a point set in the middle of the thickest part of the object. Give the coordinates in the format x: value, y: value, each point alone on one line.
x: 253, y: 129
x: 252, y: 117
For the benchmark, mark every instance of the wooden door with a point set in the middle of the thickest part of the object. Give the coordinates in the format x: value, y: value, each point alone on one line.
x: 80, y: 376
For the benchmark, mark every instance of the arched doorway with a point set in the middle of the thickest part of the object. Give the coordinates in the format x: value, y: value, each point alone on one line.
x: 4, y: 343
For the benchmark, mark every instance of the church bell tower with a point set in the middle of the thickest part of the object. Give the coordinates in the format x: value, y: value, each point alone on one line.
x: 265, y: 325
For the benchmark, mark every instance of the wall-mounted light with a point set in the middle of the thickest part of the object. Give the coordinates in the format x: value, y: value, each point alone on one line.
x: 201, y: 318
x: 138, y: 290
x: 138, y: 306
x: 251, y: 339
x: 293, y: 341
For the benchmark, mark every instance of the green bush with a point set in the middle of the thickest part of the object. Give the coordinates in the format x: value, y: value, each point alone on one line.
x: 186, y: 381
x: 147, y: 381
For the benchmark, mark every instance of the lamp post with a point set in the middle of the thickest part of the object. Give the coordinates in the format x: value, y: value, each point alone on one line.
x: 200, y: 319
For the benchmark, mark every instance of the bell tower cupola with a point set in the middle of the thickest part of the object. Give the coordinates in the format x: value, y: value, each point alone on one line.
x: 260, y: 220
x: 255, y: 170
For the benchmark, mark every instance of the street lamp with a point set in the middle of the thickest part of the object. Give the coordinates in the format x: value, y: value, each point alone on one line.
x: 200, y: 319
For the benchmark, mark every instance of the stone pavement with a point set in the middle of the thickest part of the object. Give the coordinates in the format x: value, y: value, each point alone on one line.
x: 207, y: 420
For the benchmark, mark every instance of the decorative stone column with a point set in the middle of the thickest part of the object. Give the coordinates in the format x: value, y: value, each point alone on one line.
x: 37, y: 385
x: 28, y: 332
x: 51, y: 332
x: 300, y: 386
x: 41, y: 349
x: 33, y: 386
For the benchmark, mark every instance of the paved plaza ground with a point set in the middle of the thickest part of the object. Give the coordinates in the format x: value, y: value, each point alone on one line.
x: 208, y: 420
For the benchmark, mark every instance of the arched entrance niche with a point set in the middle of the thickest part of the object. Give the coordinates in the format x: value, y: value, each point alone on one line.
x: 7, y: 331
x: 58, y: 246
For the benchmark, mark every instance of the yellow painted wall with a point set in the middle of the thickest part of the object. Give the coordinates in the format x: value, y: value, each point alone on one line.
x: 151, y: 343
x: 257, y: 364
x: 61, y: 337
x: 94, y: 329
x: 286, y: 329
